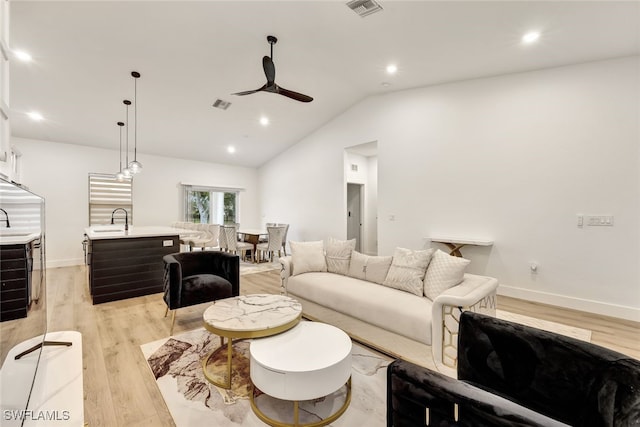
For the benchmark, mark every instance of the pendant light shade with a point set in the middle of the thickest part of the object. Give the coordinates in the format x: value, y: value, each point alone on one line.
x: 120, y: 175
x: 126, y: 172
x: 135, y: 166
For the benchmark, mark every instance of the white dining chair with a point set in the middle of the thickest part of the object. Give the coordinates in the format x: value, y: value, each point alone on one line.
x: 207, y: 237
x: 276, y: 236
x: 284, y: 238
x: 232, y: 243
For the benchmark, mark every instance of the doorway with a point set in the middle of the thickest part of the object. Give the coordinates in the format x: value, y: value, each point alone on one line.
x: 354, y: 213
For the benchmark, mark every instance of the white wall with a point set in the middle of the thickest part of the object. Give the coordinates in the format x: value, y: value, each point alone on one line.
x: 514, y: 158
x: 59, y: 173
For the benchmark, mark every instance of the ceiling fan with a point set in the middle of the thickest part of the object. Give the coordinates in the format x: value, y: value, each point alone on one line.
x: 270, y: 73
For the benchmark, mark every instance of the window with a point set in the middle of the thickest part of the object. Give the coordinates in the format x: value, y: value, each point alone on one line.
x: 107, y: 194
x: 211, y: 205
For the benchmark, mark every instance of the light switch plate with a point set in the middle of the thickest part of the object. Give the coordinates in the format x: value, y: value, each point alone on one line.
x: 600, y: 221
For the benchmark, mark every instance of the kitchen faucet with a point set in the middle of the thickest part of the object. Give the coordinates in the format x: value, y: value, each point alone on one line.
x: 7, y: 218
x: 126, y: 217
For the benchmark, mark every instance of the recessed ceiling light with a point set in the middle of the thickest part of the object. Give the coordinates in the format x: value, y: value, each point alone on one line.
x: 530, y: 37
x: 264, y: 121
x: 34, y: 115
x: 385, y: 84
x: 231, y: 149
x: 22, y: 55
x: 392, y: 68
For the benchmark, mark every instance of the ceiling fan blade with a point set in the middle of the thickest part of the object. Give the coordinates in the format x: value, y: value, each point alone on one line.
x: 294, y: 95
x: 249, y: 92
x: 269, y: 70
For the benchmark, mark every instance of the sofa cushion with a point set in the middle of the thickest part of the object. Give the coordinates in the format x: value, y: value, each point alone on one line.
x: 338, y: 255
x: 307, y: 256
x: 444, y: 272
x: 369, y: 268
x: 391, y: 309
x: 407, y: 270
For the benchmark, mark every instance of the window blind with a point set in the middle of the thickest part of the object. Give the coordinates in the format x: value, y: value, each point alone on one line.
x: 107, y: 194
x: 24, y: 208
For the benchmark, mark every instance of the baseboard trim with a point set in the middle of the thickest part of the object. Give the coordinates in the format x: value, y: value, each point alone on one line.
x: 590, y: 306
x: 64, y: 262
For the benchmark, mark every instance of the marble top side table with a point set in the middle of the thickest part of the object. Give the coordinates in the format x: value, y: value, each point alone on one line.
x: 247, y: 316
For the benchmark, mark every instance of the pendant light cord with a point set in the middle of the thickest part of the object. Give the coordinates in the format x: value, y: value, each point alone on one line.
x: 135, y: 119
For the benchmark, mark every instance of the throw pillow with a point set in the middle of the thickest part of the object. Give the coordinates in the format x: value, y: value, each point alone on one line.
x: 377, y: 268
x: 307, y: 257
x: 357, y: 265
x: 370, y: 268
x: 444, y: 272
x: 407, y: 270
x: 339, y: 255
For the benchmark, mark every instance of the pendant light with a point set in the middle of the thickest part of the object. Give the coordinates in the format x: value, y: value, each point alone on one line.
x: 135, y: 166
x: 120, y: 175
x: 126, y: 172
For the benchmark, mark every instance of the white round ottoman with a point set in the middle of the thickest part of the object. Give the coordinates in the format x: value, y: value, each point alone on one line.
x: 309, y: 361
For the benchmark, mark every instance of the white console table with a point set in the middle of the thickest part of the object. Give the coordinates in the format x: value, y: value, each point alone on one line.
x: 456, y: 243
x: 57, y: 395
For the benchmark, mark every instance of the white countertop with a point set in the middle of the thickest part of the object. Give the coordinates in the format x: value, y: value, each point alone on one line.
x: 101, y: 232
x: 9, y: 237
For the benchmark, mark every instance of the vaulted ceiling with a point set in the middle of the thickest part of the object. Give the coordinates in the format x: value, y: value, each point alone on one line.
x: 191, y: 53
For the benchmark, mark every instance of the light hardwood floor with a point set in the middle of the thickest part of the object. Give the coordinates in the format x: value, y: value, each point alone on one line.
x: 119, y: 388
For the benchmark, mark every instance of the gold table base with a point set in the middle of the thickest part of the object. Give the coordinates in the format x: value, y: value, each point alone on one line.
x: 296, y: 415
x: 231, y: 335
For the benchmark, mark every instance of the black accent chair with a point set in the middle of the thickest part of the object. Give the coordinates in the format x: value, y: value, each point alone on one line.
x: 196, y: 277
x: 515, y: 375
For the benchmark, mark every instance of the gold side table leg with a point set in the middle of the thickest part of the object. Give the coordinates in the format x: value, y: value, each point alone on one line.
x: 296, y: 412
x: 211, y: 378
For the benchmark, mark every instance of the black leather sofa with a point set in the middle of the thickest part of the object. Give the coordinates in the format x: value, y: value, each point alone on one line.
x: 514, y: 375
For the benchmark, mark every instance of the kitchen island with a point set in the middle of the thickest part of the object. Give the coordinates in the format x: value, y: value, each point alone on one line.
x: 126, y: 264
x: 18, y: 289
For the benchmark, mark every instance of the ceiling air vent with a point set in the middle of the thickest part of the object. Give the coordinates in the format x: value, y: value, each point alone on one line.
x: 364, y: 7
x: 221, y: 104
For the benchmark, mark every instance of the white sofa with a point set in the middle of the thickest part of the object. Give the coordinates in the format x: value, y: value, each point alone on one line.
x: 433, y: 323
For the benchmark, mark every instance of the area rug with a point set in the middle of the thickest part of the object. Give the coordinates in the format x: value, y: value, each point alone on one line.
x: 252, y: 268
x: 176, y: 363
x: 558, y: 328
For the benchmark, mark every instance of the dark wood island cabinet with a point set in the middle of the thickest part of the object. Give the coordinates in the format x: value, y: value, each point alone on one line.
x: 126, y: 264
x: 16, y: 275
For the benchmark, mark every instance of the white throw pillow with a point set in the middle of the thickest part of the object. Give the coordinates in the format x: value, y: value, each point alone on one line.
x: 357, y: 266
x: 377, y: 268
x: 307, y: 257
x: 339, y: 255
x: 407, y: 270
x: 444, y: 272
x: 370, y: 268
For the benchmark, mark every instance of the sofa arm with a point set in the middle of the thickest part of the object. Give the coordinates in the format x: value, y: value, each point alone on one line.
x: 285, y: 273
x: 417, y: 396
x: 475, y: 293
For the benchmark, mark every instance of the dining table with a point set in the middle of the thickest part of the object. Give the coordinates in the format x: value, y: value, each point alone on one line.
x: 252, y: 235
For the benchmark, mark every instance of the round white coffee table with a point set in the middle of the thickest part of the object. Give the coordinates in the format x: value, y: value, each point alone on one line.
x: 247, y: 316
x: 307, y: 362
